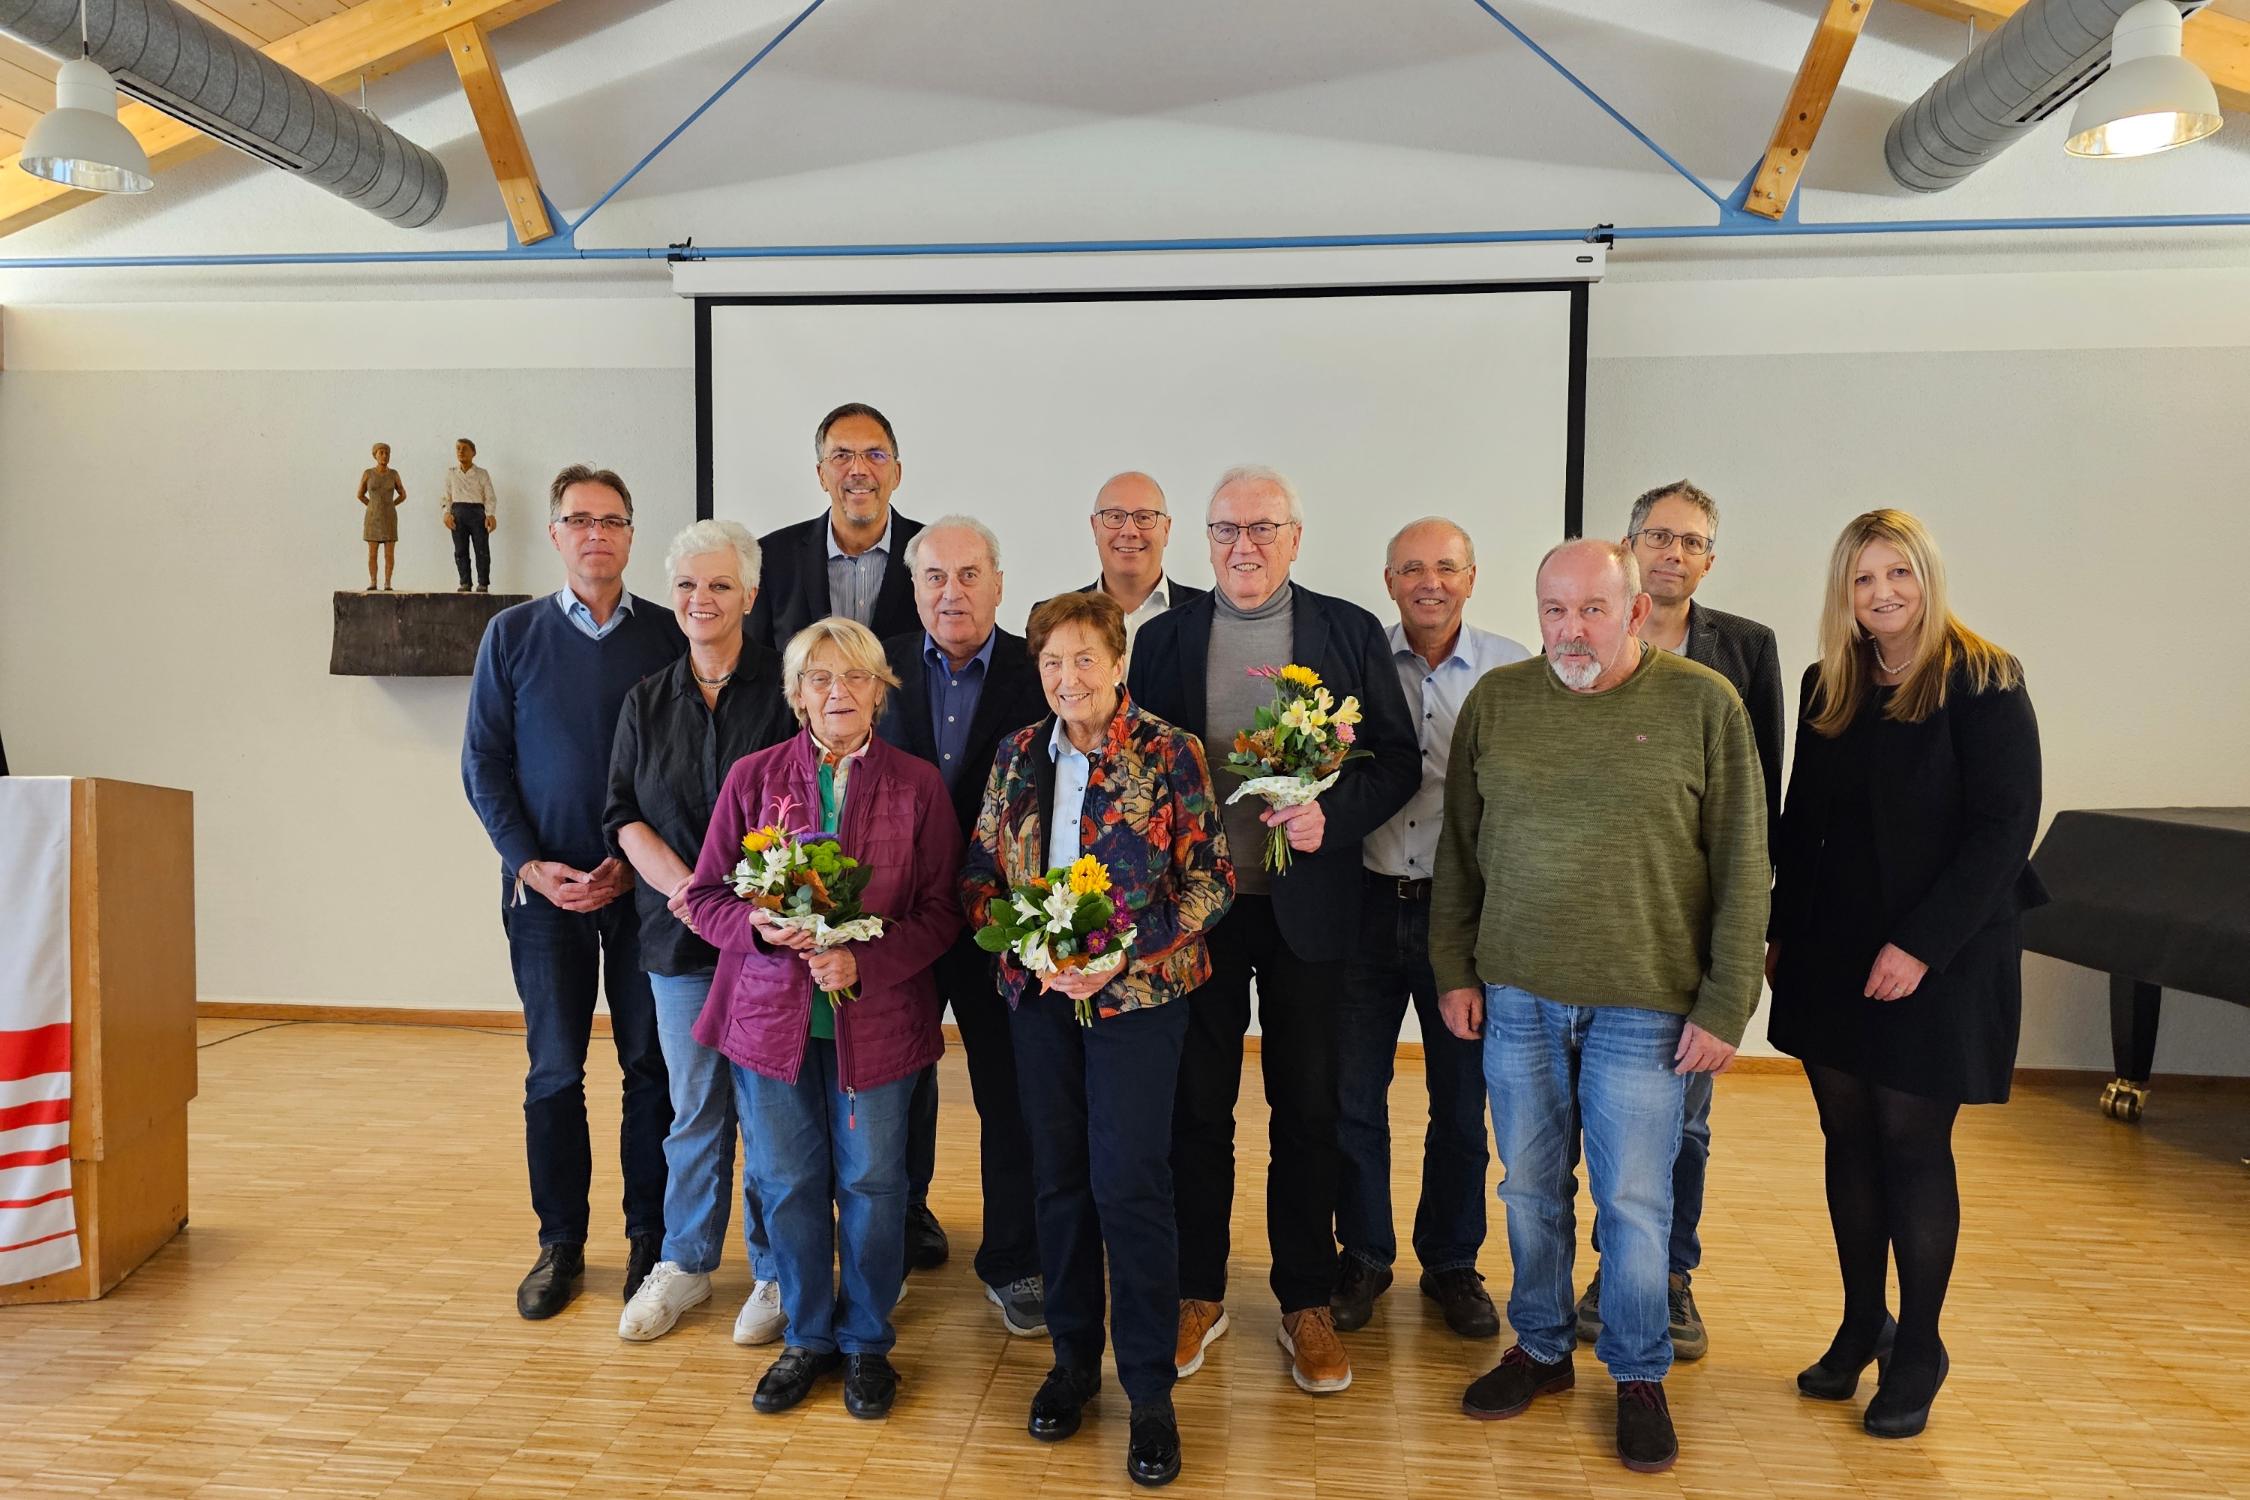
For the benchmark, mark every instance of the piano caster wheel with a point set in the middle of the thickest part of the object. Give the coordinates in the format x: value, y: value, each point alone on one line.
x: 2124, y: 1100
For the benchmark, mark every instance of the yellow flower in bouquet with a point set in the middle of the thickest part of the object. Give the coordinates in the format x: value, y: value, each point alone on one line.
x: 1296, y: 676
x: 1087, y: 877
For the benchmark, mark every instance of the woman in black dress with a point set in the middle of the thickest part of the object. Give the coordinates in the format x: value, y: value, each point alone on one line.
x: 1894, y: 949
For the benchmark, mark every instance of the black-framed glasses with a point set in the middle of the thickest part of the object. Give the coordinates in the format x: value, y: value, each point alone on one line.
x: 1693, y: 543
x: 1260, y: 532
x: 582, y: 523
x: 841, y: 458
x: 1115, y: 517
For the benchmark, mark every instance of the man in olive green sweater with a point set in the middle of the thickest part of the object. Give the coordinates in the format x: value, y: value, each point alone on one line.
x: 1598, y: 918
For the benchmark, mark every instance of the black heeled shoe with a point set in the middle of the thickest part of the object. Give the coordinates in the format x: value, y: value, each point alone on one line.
x: 1890, y: 1415
x: 1837, y: 1379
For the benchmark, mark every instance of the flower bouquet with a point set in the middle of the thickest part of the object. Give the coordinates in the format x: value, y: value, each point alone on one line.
x: 1294, y: 749
x: 808, y: 883
x: 1062, y: 922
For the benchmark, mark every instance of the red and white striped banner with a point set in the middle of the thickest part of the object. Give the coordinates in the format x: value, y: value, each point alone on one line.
x: 38, y: 1224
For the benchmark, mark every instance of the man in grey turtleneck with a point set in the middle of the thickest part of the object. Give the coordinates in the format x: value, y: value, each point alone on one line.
x: 1191, y: 666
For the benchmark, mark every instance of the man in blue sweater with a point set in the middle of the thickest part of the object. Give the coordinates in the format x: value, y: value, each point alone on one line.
x: 551, y: 676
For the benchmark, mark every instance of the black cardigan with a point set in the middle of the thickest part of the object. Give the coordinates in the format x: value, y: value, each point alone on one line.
x: 1956, y: 807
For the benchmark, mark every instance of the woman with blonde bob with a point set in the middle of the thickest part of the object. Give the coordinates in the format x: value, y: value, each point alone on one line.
x: 1894, y: 949
x: 821, y: 1087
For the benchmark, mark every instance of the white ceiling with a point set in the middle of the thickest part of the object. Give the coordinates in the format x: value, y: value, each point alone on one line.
x: 904, y: 121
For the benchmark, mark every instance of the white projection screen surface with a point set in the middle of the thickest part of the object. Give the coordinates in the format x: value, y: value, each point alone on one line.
x: 1381, y: 405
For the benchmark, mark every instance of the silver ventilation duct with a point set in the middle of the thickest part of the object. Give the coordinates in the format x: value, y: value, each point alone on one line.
x: 2038, y: 61
x: 178, y: 63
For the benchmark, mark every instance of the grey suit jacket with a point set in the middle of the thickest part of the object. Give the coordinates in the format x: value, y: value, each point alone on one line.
x: 1744, y: 653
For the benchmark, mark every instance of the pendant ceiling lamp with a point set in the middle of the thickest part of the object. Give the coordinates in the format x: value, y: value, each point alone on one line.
x: 80, y: 142
x: 2151, y: 99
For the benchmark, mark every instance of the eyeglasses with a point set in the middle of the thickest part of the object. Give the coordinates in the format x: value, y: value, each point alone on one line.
x: 856, y: 679
x: 1260, y: 532
x: 1413, y: 571
x: 1693, y: 543
x: 582, y: 523
x: 841, y: 458
x: 1143, y: 520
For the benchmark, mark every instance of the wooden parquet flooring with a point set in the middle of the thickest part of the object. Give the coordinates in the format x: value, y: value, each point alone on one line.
x: 338, y: 1321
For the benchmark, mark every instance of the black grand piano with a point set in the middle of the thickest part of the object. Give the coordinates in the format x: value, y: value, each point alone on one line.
x: 2159, y: 897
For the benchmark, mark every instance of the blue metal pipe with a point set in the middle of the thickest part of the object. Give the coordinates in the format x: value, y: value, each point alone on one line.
x: 1754, y: 228
x: 677, y: 130
x: 1600, y: 103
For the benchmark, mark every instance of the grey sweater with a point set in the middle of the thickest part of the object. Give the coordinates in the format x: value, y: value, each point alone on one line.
x: 1240, y: 640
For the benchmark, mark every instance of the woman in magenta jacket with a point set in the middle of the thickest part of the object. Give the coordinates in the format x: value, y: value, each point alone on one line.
x: 822, y: 1089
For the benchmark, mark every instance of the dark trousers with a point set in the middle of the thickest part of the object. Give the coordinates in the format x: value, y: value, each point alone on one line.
x: 1101, y: 1099
x: 1010, y: 1248
x: 469, y: 533
x: 1389, y: 965
x: 561, y: 959
x: 1297, y: 1054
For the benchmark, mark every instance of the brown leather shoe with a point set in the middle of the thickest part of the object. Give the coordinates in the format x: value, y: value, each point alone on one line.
x: 1200, y: 1323
x: 1316, y: 1356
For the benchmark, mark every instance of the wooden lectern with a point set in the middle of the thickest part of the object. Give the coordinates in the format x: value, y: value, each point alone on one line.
x: 132, y: 987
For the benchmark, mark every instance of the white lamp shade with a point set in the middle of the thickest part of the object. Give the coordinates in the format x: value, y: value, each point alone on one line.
x: 2151, y: 99
x: 80, y: 143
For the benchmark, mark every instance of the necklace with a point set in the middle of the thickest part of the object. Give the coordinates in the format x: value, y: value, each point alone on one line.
x: 1888, y: 669
x: 710, y: 681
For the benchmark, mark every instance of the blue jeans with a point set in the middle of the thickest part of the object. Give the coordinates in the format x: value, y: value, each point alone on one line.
x: 1390, y: 966
x: 1608, y: 1069
x: 1688, y: 1172
x: 831, y: 1174
x: 561, y: 961
x: 699, y: 1153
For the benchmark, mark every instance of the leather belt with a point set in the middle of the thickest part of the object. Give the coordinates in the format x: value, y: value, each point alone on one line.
x: 1404, y: 890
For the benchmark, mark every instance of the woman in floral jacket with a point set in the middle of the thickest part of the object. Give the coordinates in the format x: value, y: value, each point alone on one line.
x: 1101, y: 778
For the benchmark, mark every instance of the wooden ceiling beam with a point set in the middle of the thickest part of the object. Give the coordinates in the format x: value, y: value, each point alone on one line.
x: 512, y: 168
x: 373, y: 38
x: 2217, y: 43
x: 1790, y: 145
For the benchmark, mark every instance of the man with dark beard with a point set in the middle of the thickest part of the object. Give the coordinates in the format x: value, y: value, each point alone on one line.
x: 1608, y: 800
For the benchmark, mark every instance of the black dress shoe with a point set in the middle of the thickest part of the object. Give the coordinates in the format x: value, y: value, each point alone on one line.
x: 1153, y: 1456
x: 1461, y: 1296
x: 640, y: 1259
x: 1835, y: 1376
x: 870, y: 1385
x: 789, y: 1379
x: 1901, y: 1407
x: 553, y: 1281
x: 1358, y: 1283
x: 926, y: 1248
x: 1062, y: 1398
x: 1508, y: 1387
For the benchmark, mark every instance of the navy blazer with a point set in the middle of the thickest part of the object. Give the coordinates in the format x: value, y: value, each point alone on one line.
x: 1316, y: 901
x: 1744, y: 653
x: 793, y: 583
x: 1011, y: 698
x: 1183, y: 594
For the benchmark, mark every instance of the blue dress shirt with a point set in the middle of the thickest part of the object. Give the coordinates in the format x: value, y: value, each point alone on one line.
x: 1074, y: 769
x: 953, y: 703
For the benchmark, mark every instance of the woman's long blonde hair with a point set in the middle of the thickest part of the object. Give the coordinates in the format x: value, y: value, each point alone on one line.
x: 1941, y: 643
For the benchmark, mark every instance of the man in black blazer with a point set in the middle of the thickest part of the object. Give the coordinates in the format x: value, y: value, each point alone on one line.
x: 850, y: 561
x: 1191, y: 667
x: 963, y: 683
x: 1132, y: 526
x: 1674, y: 534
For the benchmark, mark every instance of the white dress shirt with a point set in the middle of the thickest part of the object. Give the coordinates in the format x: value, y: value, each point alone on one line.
x: 1406, y: 846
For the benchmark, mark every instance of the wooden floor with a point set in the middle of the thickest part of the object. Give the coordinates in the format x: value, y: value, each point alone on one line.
x: 339, y: 1321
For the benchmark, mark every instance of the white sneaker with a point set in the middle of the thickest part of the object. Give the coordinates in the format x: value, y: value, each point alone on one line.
x: 761, y: 1319
x: 668, y: 1292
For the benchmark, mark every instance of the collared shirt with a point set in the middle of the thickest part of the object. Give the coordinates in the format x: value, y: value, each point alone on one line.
x: 853, y: 582
x: 574, y: 610
x: 954, y: 692
x: 1406, y: 846
x: 1159, y: 600
x: 1074, y: 771
x: 471, y: 486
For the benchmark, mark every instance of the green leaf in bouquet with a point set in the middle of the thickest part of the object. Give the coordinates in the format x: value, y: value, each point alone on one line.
x: 996, y: 939
x: 1093, y: 912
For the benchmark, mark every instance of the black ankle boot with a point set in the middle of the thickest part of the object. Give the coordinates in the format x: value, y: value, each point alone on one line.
x: 1901, y: 1407
x: 1836, y: 1376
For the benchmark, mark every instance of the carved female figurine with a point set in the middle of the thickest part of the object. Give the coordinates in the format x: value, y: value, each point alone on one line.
x: 382, y: 492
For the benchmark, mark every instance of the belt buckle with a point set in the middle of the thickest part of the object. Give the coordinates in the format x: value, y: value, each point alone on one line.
x: 1406, y: 891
